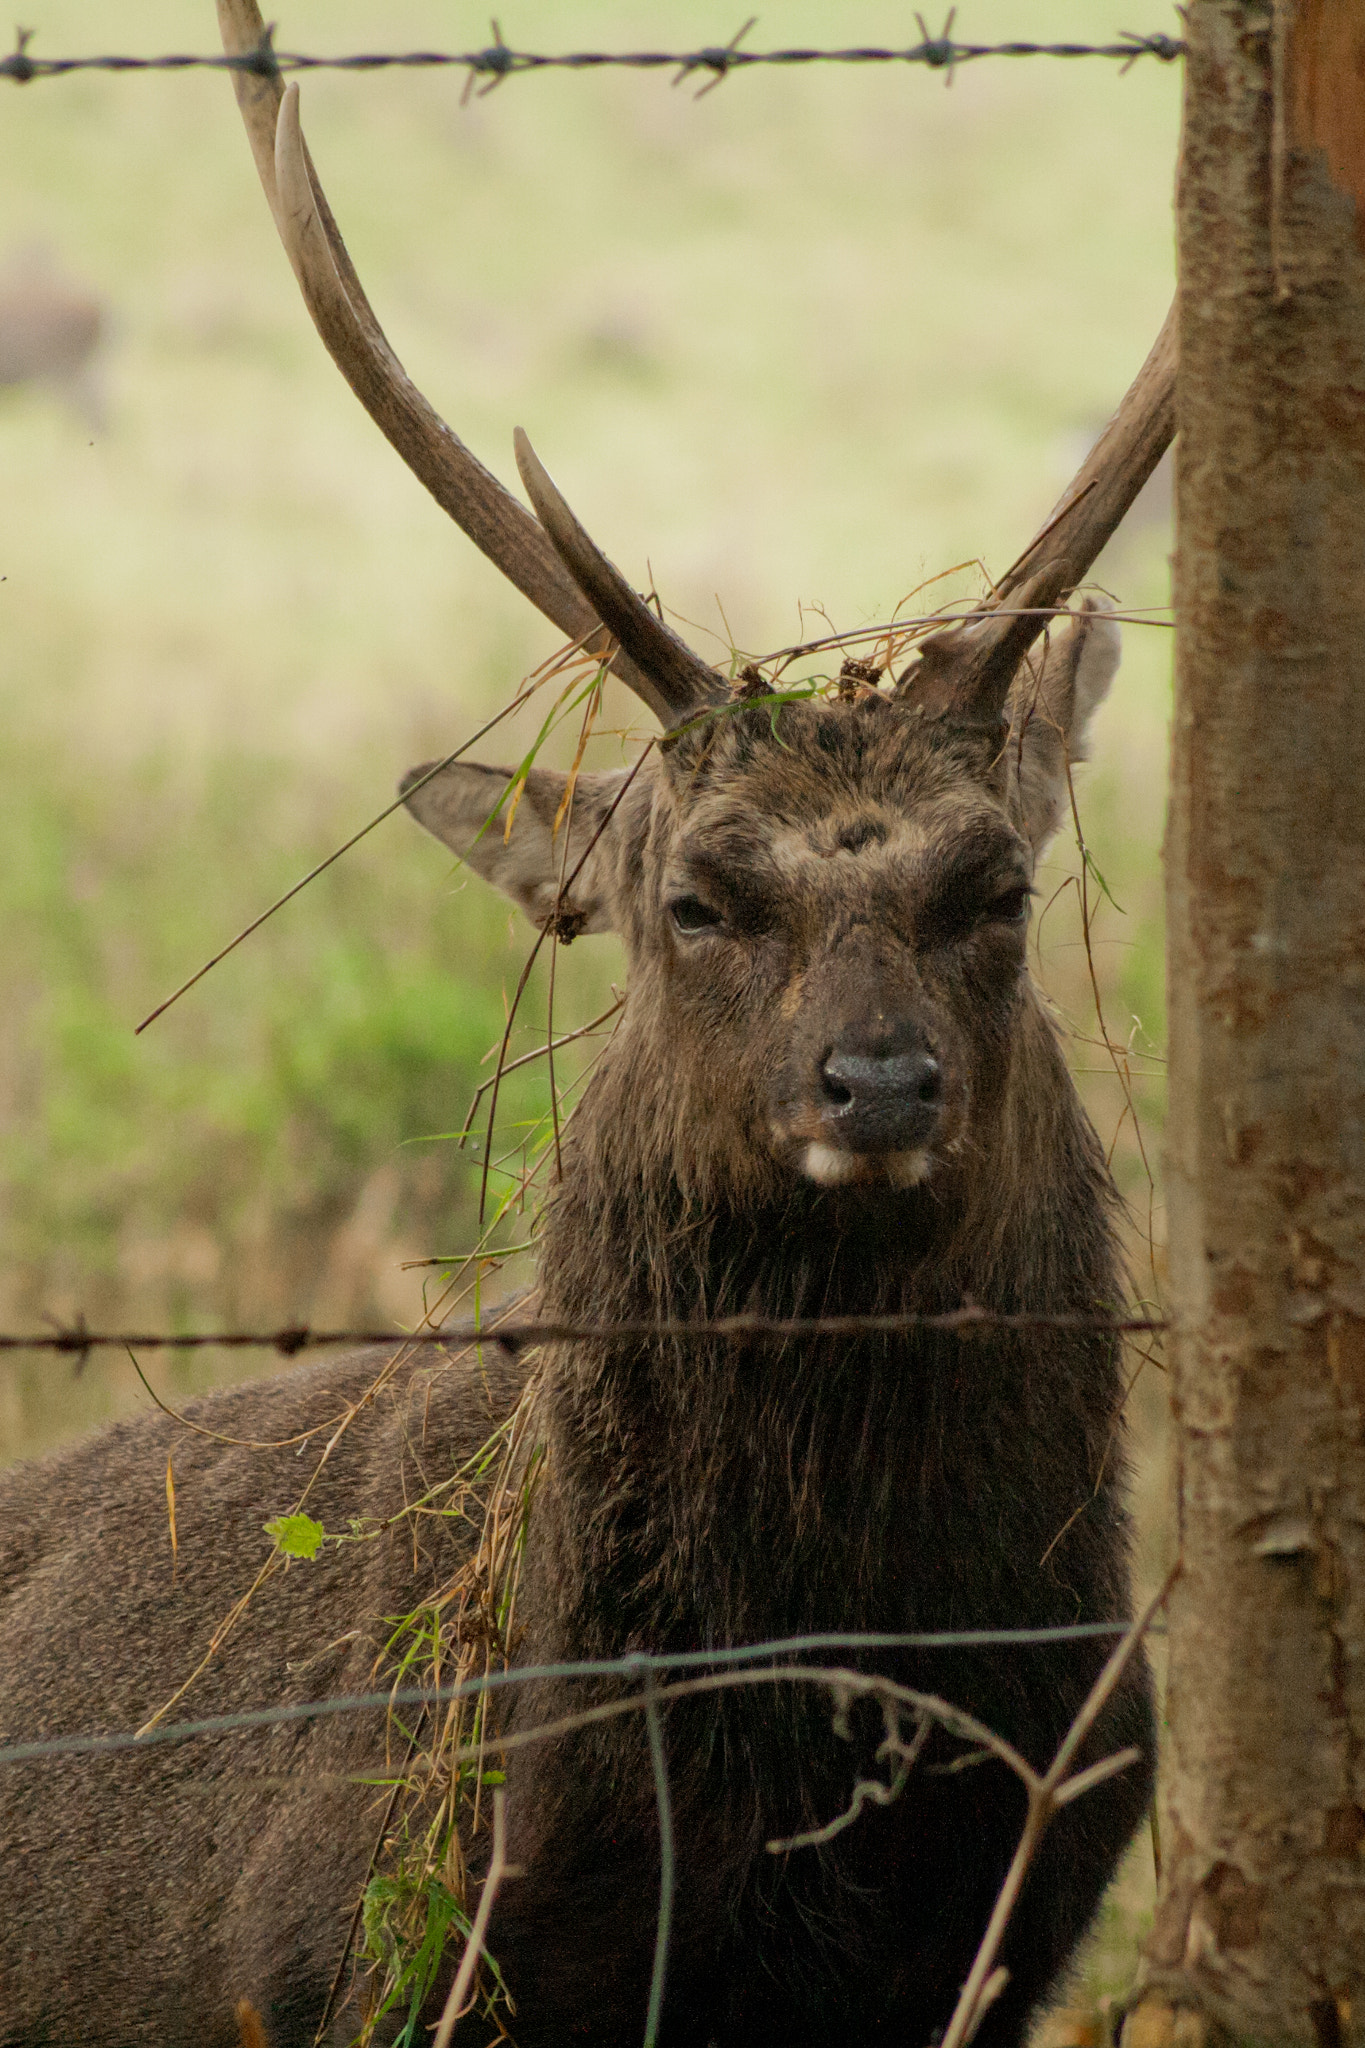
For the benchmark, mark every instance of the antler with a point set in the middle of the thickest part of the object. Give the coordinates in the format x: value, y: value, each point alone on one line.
x: 527, y: 555
x: 659, y: 651
x: 966, y: 672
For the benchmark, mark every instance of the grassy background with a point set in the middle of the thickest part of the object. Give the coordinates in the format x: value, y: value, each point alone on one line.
x: 805, y: 341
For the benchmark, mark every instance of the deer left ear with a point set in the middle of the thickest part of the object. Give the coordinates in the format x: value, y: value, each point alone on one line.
x: 1055, y: 695
x: 554, y: 857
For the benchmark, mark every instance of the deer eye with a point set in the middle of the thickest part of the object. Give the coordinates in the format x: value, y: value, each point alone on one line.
x: 690, y: 915
x: 1010, y: 907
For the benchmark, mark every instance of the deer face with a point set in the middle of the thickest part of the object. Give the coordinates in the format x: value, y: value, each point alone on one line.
x: 835, y: 917
x: 825, y: 913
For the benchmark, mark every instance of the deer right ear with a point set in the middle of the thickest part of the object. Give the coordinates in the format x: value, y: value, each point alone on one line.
x: 1055, y: 696
x: 466, y: 806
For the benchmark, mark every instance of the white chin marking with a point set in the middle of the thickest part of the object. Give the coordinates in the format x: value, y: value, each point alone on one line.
x: 821, y: 1163
x: 829, y: 1167
x: 908, y: 1169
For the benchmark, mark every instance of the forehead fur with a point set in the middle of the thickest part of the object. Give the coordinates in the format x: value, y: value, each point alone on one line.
x: 826, y: 775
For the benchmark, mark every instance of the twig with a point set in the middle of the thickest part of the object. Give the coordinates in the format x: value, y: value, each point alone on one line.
x: 564, y: 816
x: 397, y: 805
x: 474, y: 1947
x: 541, y: 935
x: 1045, y: 1795
x: 866, y: 1790
x: 359, y: 1913
x: 236, y: 1443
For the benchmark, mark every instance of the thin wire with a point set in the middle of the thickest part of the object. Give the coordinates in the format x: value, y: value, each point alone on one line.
x: 664, y: 1803
x: 437, y: 768
x: 1138, y: 615
x: 619, y: 1667
x: 498, y: 61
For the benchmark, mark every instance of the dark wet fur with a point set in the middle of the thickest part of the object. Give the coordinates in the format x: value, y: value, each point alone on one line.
x: 697, y: 1496
x: 735, y: 1493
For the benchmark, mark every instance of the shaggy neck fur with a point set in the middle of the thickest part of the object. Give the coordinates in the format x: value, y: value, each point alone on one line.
x: 708, y: 1494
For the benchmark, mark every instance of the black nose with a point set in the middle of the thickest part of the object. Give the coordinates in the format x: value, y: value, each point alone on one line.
x: 879, y: 1100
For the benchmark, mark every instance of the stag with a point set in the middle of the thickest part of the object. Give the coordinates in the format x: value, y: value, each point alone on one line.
x: 833, y: 1090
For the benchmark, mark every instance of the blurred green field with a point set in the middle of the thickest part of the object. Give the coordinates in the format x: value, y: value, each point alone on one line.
x: 801, y: 343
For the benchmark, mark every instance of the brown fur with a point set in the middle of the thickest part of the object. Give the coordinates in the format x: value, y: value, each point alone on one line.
x: 862, y: 867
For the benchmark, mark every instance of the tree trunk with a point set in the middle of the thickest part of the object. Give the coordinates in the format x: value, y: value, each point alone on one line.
x: 1260, y: 1928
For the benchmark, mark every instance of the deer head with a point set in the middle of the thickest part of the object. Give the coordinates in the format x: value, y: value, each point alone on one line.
x: 828, y: 906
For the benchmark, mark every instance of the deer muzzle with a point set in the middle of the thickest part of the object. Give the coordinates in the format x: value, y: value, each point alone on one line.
x: 871, y: 1105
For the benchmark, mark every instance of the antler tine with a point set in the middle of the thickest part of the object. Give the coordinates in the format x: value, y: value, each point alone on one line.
x: 258, y: 97
x: 493, y: 519
x: 967, y: 671
x: 682, y: 675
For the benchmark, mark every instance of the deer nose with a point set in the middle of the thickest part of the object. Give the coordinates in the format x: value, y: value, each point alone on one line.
x: 881, y: 1098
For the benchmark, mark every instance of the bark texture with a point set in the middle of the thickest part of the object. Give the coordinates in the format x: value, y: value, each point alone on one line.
x: 1260, y: 1930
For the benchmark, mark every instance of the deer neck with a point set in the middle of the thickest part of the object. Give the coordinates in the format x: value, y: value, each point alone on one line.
x: 710, y: 1491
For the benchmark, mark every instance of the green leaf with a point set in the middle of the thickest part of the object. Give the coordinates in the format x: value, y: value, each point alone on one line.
x: 296, y: 1535
x: 1104, y: 888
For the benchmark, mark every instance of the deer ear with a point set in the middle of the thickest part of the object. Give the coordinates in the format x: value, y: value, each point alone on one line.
x: 467, y: 805
x: 1054, y: 697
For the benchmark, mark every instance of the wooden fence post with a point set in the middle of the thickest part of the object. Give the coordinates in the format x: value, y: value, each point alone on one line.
x: 1260, y: 1928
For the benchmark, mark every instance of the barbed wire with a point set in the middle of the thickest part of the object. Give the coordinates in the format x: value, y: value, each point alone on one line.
x: 965, y: 1321
x: 499, y: 60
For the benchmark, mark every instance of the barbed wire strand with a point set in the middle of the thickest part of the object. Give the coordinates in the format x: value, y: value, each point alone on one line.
x: 78, y: 1341
x: 499, y: 61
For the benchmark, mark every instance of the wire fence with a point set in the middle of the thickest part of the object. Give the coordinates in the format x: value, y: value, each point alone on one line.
x: 1047, y: 1791
x: 632, y: 1666
x: 499, y: 61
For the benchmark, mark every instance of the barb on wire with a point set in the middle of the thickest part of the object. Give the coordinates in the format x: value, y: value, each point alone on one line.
x: 489, y: 66
x: 965, y: 1322
x: 717, y: 61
